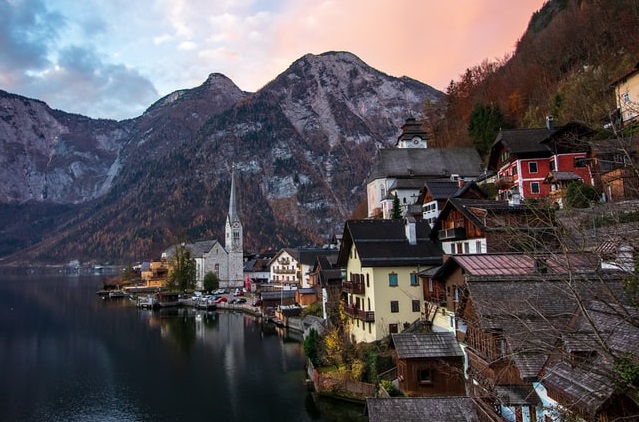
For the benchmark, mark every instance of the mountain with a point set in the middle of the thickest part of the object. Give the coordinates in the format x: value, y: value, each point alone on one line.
x: 302, y: 145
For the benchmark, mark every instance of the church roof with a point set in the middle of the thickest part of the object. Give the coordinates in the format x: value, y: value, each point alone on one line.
x: 426, y: 162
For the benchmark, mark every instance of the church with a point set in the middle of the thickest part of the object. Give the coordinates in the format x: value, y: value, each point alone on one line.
x: 226, y: 261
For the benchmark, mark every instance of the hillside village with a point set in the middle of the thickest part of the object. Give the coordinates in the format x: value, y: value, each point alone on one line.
x: 505, y: 292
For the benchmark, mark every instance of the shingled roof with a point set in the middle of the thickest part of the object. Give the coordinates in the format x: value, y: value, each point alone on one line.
x: 426, y: 345
x: 419, y: 409
x: 426, y: 162
x: 383, y: 243
x: 589, y: 384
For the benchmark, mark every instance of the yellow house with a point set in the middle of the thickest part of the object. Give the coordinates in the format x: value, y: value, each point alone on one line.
x: 155, y: 273
x: 627, y: 96
x: 382, y: 258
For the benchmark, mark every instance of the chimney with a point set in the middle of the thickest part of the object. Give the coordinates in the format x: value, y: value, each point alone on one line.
x: 411, y: 231
x: 549, y: 123
x: 460, y: 182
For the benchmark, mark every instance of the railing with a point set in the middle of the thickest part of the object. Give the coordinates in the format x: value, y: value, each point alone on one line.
x: 504, y: 182
x: 353, y: 287
x: 458, y: 233
x: 284, y: 270
x: 366, y: 316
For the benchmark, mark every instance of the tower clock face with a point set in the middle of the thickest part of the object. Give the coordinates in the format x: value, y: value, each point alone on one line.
x: 236, y: 224
x: 416, y: 140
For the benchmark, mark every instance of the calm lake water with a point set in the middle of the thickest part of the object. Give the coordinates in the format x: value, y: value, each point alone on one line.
x: 67, y: 355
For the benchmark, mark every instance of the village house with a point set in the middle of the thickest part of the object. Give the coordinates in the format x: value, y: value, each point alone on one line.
x: 429, y: 364
x: 613, y: 164
x: 382, y: 259
x: 326, y: 278
x: 284, y: 269
x: 627, y: 96
x: 401, y: 171
x: 154, y: 273
x: 510, y: 312
x: 470, y: 226
x: 435, y: 193
x: 525, y: 158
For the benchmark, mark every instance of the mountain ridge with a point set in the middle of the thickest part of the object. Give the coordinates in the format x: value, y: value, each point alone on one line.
x: 302, y: 145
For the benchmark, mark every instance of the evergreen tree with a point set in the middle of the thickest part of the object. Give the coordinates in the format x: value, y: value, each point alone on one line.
x: 396, y: 212
x: 484, y: 125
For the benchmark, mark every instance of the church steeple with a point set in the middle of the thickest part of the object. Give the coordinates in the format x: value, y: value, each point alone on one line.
x: 232, y: 216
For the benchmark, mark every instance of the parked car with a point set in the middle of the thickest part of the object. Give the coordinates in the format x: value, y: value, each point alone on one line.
x: 238, y: 292
x: 240, y: 300
x: 257, y: 302
x: 221, y: 300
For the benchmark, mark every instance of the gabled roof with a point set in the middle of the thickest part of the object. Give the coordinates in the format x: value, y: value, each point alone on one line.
x: 533, y: 312
x: 534, y: 142
x: 589, y: 385
x: 198, y: 249
x: 294, y: 253
x: 383, y: 243
x: 419, y: 409
x: 310, y: 255
x: 478, y: 212
x: 426, y: 162
x: 495, y: 265
x: 426, y: 345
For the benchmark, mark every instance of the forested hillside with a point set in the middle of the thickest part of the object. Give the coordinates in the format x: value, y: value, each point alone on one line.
x: 562, y: 66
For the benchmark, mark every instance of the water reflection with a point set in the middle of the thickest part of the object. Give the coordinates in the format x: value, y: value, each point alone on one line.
x: 66, y: 354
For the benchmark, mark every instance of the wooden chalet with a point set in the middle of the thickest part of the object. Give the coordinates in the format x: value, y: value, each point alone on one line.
x: 479, y: 226
x: 435, y: 193
x: 613, y: 165
x: 429, y: 364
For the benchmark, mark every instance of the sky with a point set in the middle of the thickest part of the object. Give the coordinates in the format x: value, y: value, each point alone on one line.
x: 114, y: 58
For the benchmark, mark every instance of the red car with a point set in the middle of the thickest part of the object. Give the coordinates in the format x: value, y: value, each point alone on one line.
x: 221, y: 300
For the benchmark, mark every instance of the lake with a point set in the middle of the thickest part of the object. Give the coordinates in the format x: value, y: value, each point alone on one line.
x: 67, y: 355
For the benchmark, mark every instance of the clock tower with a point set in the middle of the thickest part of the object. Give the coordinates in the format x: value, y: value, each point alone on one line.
x: 234, y: 239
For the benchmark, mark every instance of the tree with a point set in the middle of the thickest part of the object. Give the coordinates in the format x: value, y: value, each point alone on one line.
x: 580, y: 195
x: 396, y: 212
x: 211, y: 281
x: 484, y: 125
x: 182, y: 276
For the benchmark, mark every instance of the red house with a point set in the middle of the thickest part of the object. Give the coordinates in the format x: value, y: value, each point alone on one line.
x: 524, y: 158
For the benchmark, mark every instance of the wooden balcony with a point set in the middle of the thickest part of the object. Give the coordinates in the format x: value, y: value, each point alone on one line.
x: 457, y: 233
x: 505, y: 182
x: 366, y: 316
x: 353, y: 287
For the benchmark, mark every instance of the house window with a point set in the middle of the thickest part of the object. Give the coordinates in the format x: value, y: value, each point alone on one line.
x: 626, y: 98
x: 581, y: 162
x: 534, y: 187
x: 368, y: 284
x: 425, y: 376
x: 532, y: 167
x: 392, y: 328
x: 478, y: 246
x: 466, y: 247
x: 394, y: 304
x: 514, y: 171
x: 552, y: 164
x: 416, y: 305
x: 414, y: 281
x: 392, y: 279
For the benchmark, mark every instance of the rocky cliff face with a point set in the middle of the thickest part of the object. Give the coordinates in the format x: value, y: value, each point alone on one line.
x: 302, y: 145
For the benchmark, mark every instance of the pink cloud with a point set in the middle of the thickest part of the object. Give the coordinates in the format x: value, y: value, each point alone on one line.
x: 433, y: 42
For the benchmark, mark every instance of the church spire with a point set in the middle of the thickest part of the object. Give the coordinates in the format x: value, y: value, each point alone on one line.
x: 233, y: 199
